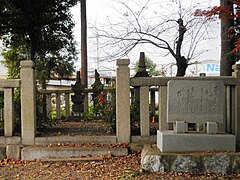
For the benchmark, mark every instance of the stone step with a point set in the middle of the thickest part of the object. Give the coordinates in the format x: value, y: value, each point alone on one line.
x: 43, y: 152
x: 78, y: 139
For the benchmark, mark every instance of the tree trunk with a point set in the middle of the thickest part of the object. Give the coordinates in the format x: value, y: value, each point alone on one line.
x: 182, y: 65
x: 84, y: 43
x: 227, y: 45
x: 84, y: 64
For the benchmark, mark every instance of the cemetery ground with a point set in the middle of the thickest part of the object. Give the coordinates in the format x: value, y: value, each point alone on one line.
x: 108, y: 167
x: 91, y: 167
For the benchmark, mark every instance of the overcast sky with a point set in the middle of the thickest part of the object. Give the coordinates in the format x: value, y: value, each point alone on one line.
x: 99, y: 12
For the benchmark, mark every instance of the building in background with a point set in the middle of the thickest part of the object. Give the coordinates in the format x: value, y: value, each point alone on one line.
x: 207, y: 67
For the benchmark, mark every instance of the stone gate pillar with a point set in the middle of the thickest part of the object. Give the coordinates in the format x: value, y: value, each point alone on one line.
x: 123, y: 101
x: 236, y: 129
x: 28, y: 102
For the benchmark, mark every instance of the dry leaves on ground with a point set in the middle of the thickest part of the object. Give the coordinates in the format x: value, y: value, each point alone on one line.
x: 125, y: 167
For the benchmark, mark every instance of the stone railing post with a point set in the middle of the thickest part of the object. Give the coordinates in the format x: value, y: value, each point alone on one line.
x: 162, y: 109
x: 28, y: 102
x: 8, y: 112
x: 236, y: 129
x: 123, y: 101
x: 67, y: 105
x: 49, y: 105
x: 58, y: 105
x: 144, y: 111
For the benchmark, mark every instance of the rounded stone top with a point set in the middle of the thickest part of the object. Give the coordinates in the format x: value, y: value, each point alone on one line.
x: 27, y: 63
x: 122, y: 62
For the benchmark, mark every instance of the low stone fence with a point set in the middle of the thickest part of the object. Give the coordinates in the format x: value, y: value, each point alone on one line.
x: 124, y: 82
x: 28, y: 105
x: 154, y: 86
x: 56, y: 94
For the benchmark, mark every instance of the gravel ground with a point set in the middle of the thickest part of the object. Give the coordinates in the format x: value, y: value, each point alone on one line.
x: 126, y: 167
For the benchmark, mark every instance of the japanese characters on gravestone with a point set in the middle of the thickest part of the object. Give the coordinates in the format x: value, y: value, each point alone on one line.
x: 78, y: 97
x: 195, y: 101
x: 200, y: 102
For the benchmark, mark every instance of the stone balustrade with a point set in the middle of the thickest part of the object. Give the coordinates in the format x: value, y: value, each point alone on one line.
x: 153, y: 91
x: 148, y: 85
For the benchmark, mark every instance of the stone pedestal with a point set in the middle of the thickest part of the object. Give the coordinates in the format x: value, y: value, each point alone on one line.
x: 169, y: 141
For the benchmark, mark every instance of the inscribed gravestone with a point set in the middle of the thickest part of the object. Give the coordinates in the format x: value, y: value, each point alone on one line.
x: 195, y: 101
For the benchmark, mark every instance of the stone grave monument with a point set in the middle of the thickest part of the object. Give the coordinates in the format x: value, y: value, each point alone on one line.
x: 97, y: 88
x: 78, y: 97
x: 196, y: 109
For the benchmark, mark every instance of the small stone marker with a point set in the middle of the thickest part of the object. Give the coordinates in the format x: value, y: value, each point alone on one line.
x: 195, y: 101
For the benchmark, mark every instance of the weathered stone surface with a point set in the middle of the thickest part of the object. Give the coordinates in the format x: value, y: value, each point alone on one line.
x: 2, y: 152
x: 10, y: 140
x: 224, y: 163
x: 78, y: 139
x: 169, y: 141
x: 9, y: 83
x: 154, y: 163
x: 216, y: 163
x: 14, y: 151
x: 236, y: 164
x: 28, y: 102
x: 195, y: 101
x: 184, y: 164
x: 38, y: 152
x: 123, y: 101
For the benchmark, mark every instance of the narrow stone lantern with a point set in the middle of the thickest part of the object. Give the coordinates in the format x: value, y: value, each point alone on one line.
x: 142, y: 70
x: 78, y: 97
x: 97, y: 88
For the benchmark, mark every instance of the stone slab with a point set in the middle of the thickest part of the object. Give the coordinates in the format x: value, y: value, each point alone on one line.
x: 2, y: 152
x: 208, y: 162
x: 168, y: 141
x: 10, y: 83
x: 195, y: 101
x: 39, y: 152
x: 75, y: 140
x: 14, y: 151
x: 10, y: 140
x: 144, y: 139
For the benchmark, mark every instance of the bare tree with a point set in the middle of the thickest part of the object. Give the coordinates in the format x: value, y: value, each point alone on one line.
x: 171, y: 27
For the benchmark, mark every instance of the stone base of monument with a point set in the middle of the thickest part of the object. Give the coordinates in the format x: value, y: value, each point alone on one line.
x: 169, y: 141
x: 197, y: 162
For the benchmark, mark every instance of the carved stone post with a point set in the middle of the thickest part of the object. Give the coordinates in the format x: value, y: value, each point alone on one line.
x: 28, y: 102
x: 123, y: 101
